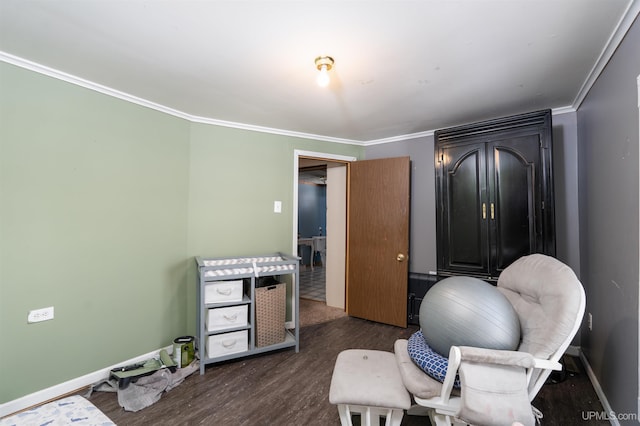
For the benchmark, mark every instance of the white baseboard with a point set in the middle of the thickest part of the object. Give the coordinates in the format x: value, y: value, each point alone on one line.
x: 601, y: 396
x: 70, y: 386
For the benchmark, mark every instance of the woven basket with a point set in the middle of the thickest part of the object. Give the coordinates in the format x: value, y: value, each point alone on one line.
x: 270, y: 314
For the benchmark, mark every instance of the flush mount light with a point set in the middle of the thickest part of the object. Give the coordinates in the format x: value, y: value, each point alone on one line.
x: 324, y: 64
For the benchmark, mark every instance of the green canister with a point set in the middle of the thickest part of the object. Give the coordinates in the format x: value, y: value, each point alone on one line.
x: 183, y: 351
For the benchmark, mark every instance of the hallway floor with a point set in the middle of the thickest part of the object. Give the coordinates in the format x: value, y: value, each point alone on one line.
x: 313, y: 283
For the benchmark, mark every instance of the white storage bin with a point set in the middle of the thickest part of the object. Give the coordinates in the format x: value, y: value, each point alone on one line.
x: 227, y: 343
x: 223, y: 291
x: 230, y: 317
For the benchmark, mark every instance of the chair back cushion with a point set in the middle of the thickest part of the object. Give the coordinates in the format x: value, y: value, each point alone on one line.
x: 547, y: 296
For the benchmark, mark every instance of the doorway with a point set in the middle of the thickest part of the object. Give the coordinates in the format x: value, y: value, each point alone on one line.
x: 312, y: 225
x: 377, y: 276
x: 330, y: 171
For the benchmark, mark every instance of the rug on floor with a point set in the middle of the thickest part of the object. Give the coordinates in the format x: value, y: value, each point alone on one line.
x: 314, y: 312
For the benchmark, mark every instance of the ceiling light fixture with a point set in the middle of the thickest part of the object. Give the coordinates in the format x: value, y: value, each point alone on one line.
x: 324, y: 64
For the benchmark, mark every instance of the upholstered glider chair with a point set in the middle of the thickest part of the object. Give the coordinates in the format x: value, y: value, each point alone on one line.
x: 320, y: 246
x: 497, y: 386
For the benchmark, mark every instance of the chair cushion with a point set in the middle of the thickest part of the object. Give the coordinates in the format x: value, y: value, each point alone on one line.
x: 369, y: 378
x: 546, y: 295
x: 431, y: 362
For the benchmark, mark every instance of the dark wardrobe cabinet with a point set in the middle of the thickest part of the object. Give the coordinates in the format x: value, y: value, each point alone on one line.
x: 494, y: 191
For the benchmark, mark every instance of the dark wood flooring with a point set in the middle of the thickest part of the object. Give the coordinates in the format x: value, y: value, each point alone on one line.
x: 288, y: 388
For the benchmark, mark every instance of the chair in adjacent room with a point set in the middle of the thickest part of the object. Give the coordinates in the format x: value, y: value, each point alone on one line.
x: 320, y: 246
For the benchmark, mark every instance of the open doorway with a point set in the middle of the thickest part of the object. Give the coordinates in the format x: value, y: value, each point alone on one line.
x: 320, y: 182
x: 312, y: 226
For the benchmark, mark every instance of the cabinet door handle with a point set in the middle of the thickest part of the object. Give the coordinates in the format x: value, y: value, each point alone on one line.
x: 484, y: 210
x: 492, y: 212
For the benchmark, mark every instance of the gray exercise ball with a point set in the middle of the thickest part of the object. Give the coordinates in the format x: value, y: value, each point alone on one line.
x: 466, y: 311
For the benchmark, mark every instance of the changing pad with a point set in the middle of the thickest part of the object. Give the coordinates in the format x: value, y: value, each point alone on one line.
x: 247, y: 265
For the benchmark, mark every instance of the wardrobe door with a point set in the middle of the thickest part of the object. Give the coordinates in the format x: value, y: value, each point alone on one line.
x: 463, y: 210
x: 515, y: 195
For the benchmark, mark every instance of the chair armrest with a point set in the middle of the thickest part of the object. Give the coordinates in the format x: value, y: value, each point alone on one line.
x: 505, y: 357
x: 495, y: 356
x: 452, y: 372
x: 547, y: 364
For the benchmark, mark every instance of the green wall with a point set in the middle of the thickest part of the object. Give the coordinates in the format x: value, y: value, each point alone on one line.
x: 103, y: 205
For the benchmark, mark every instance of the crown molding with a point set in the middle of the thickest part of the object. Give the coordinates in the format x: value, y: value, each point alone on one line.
x: 400, y: 138
x: 563, y: 110
x: 627, y: 19
x: 281, y: 132
x: 78, y: 81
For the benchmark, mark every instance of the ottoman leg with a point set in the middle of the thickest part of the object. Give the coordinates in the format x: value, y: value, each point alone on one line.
x: 395, y: 418
x: 369, y: 416
x: 345, y: 415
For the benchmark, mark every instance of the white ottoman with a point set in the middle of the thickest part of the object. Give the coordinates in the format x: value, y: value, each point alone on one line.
x: 368, y: 382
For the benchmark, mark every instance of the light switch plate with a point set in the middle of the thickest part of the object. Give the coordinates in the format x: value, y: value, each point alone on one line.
x: 277, y: 206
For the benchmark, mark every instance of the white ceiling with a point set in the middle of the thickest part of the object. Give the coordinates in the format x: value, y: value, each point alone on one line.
x: 402, y: 67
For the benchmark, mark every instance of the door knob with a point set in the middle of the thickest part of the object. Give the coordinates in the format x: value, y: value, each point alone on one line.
x: 401, y: 257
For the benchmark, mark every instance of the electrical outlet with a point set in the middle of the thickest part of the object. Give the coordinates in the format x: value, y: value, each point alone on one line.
x: 39, y: 315
x: 590, y: 321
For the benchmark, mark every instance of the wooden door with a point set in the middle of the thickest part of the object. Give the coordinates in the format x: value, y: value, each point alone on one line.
x: 378, y: 240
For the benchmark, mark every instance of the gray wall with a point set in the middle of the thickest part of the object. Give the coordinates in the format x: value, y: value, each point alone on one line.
x: 565, y: 174
x: 608, y: 182
x: 422, y: 242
